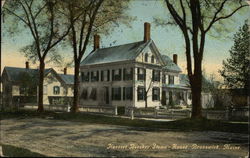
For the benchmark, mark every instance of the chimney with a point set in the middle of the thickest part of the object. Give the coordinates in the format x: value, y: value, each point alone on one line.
x: 65, y: 71
x: 175, y: 58
x: 27, y: 65
x: 146, y: 31
x: 96, y: 42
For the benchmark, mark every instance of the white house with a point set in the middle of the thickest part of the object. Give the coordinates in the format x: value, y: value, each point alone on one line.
x: 129, y: 75
x: 20, y: 86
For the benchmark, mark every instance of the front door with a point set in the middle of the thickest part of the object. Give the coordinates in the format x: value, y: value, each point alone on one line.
x: 163, y: 98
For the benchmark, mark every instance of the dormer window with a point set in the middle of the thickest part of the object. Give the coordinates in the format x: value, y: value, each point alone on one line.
x: 146, y: 57
x: 152, y: 59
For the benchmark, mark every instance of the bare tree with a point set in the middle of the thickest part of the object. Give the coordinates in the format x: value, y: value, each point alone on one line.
x: 86, y: 18
x: 195, y: 19
x: 40, y: 18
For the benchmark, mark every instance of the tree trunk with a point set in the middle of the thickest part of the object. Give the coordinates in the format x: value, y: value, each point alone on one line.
x: 146, y: 102
x: 40, y: 87
x: 75, y: 106
x: 196, y: 85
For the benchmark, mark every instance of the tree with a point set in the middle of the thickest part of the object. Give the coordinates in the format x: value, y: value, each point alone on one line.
x: 236, y: 70
x: 40, y: 18
x: 195, y: 19
x: 87, y: 18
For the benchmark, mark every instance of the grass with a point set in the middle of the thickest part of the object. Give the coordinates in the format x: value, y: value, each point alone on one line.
x: 178, y: 125
x: 12, y: 151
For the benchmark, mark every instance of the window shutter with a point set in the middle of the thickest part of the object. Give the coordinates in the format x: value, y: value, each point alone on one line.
x: 108, y: 75
x: 120, y: 74
x: 153, y: 75
x: 153, y: 94
x: 113, y: 75
x: 87, y: 77
x: 102, y: 75
x: 92, y: 75
x: 82, y: 76
x: 97, y: 75
x: 124, y: 89
x: 144, y: 74
x: 112, y: 95
x: 124, y: 73
x: 138, y: 93
x: 120, y: 92
x: 138, y: 73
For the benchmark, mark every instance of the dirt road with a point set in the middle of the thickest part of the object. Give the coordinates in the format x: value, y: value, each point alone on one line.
x: 65, y: 138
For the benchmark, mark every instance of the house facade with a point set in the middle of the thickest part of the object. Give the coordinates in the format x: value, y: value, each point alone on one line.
x: 20, y: 86
x: 129, y: 75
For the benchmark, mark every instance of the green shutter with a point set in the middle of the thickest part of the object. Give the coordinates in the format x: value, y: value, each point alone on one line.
x: 102, y: 75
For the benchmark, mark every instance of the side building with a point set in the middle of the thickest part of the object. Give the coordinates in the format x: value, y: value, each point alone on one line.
x: 20, y: 86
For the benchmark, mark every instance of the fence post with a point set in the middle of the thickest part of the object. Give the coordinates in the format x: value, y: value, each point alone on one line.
x: 132, y: 113
x: 155, y: 113
x: 116, y: 113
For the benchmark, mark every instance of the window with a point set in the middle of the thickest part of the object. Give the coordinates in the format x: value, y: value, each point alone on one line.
x: 94, y: 76
x: 163, y: 78
x: 127, y: 93
x: 84, y: 94
x: 56, y: 90
x: 171, y: 79
x: 146, y: 57
x: 116, y: 93
x: 156, y: 93
x: 105, y: 75
x: 22, y: 90
x: 141, y: 93
x: 152, y: 59
x: 141, y: 74
x: 85, y: 76
x: 156, y: 75
x: 128, y: 74
x: 93, y: 94
x: 117, y: 75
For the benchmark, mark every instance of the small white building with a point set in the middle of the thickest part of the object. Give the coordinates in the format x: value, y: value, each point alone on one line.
x: 129, y: 75
x: 20, y: 86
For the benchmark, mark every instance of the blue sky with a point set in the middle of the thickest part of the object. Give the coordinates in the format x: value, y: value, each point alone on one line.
x: 168, y: 39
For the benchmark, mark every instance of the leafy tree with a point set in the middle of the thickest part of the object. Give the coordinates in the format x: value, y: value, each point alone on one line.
x: 28, y: 82
x: 236, y: 69
x: 85, y: 19
x: 40, y: 18
x: 195, y: 18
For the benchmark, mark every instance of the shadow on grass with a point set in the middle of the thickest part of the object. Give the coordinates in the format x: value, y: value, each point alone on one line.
x: 12, y: 151
x: 136, y: 124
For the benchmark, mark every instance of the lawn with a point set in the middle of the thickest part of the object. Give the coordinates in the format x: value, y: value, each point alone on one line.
x: 178, y: 125
x: 12, y: 151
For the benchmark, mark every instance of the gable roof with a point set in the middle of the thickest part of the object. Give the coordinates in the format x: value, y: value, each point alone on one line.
x: 115, y: 54
x: 68, y: 79
x: 14, y: 74
x: 169, y: 65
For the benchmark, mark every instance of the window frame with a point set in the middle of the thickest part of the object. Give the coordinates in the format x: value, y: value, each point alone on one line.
x: 141, y: 95
x: 155, y: 97
x: 56, y: 92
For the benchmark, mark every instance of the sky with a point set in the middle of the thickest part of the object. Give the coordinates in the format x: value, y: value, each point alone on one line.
x: 169, y: 40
